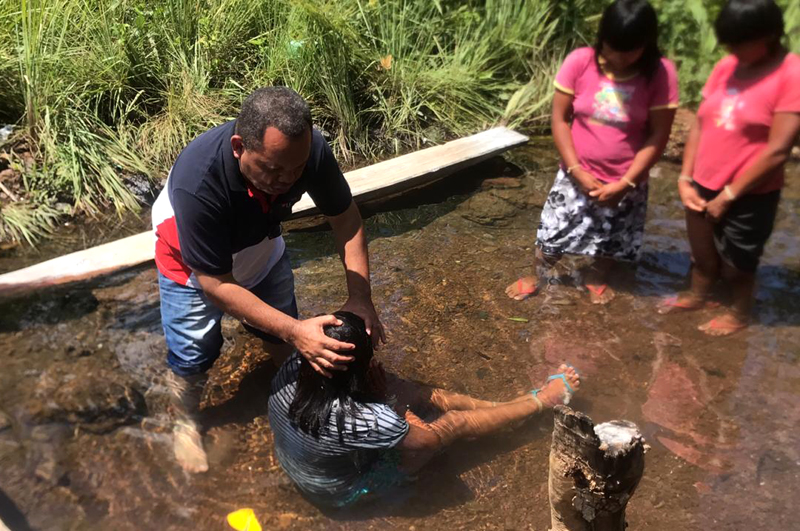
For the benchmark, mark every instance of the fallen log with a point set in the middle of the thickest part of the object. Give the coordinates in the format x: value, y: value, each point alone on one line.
x: 379, y: 181
x: 594, y: 472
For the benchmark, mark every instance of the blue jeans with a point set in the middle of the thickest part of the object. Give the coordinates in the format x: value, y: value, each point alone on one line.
x: 192, y: 323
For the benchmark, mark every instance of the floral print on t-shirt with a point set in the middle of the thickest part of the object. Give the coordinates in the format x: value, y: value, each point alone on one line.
x: 612, y: 104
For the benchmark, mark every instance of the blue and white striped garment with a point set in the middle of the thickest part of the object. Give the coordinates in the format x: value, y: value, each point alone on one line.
x: 328, y: 470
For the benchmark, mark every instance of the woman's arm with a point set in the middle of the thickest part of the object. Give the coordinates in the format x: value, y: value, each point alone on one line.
x: 782, y: 134
x: 689, y: 196
x: 562, y: 134
x: 659, y: 126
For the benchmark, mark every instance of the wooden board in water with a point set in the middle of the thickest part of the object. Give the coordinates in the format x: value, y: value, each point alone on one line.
x: 372, y: 182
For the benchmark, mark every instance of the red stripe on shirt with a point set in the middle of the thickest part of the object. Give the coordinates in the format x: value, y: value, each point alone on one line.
x: 168, y: 253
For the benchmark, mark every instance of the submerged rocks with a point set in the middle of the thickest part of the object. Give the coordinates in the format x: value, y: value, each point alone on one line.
x: 97, y: 399
x: 5, y: 422
x: 487, y: 209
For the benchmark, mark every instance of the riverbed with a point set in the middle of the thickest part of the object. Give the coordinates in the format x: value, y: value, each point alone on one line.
x: 84, y: 433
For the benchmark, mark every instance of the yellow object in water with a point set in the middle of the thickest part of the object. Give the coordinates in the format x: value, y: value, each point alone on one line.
x: 244, y: 520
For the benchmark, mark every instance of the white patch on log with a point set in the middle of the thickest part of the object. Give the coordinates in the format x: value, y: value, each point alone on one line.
x: 617, y: 437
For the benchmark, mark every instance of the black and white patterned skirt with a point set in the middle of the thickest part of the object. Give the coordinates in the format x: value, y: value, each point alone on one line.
x: 573, y: 223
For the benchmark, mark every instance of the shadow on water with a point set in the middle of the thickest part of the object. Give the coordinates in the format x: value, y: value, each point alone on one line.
x: 411, y: 211
x: 721, y: 415
x: 73, y: 302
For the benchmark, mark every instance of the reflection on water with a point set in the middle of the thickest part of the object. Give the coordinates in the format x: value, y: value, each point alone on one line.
x: 84, y: 435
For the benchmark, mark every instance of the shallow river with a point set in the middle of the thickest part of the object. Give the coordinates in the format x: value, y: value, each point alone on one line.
x: 84, y: 436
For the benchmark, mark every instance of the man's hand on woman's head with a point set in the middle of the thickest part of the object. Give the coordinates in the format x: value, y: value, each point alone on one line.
x: 363, y: 307
x: 310, y: 340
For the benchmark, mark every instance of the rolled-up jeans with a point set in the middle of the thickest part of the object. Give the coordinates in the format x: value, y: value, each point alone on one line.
x: 192, y: 323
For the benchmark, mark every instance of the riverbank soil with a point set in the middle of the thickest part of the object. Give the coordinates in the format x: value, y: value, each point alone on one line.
x: 84, y: 433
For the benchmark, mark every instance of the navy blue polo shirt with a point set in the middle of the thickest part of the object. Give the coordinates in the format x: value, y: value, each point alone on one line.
x: 208, y: 219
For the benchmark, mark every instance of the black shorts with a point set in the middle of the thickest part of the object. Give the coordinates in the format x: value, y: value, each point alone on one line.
x: 744, y: 230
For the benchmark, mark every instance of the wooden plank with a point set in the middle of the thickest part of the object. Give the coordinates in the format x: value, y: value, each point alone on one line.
x: 372, y: 182
x: 409, y: 171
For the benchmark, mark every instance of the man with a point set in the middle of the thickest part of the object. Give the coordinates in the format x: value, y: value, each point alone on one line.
x: 219, y: 248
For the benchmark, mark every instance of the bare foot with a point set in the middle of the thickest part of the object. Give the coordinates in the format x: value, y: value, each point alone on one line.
x: 723, y: 325
x: 555, y: 392
x: 600, y: 294
x: 188, y: 447
x: 522, y: 288
x: 684, y: 302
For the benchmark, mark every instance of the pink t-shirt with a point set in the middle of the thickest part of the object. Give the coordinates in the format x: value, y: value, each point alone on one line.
x: 735, y: 119
x: 610, y: 115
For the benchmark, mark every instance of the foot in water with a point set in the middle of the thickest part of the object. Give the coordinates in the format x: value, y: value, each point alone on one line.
x: 723, y: 325
x: 188, y: 447
x: 522, y: 288
x: 555, y: 391
x: 684, y: 302
x: 600, y: 294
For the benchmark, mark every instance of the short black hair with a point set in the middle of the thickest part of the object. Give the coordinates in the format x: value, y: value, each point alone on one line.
x: 279, y: 107
x: 747, y: 20
x: 628, y: 25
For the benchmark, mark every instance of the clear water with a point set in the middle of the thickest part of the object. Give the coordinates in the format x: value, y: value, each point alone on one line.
x: 721, y: 415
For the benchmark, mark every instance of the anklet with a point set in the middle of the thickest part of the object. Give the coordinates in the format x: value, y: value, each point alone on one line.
x: 539, y: 403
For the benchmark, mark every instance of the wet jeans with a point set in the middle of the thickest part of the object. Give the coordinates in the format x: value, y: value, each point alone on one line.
x: 192, y: 323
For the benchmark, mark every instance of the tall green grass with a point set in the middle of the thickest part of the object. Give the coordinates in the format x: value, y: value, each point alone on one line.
x: 104, y: 89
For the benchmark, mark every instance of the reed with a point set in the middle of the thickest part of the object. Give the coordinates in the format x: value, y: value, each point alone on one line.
x: 104, y: 89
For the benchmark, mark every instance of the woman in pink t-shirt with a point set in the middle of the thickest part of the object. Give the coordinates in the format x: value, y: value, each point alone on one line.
x: 733, y: 163
x: 612, y: 113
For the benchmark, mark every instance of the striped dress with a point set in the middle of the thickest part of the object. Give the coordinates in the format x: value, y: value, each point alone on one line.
x: 330, y: 471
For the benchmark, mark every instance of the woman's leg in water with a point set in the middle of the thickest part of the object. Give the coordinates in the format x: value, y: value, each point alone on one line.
x: 706, y: 262
x: 417, y: 396
x: 597, y: 281
x: 743, y: 284
x: 524, y: 287
x: 457, y: 424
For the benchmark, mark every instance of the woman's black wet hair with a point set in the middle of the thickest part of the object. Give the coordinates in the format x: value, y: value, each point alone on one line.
x: 747, y: 20
x: 313, y: 402
x: 629, y: 25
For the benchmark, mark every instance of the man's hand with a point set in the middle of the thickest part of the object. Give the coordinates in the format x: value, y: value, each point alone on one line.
x: 717, y: 207
x: 690, y: 198
x: 320, y: 350
x: 586, y: 181
x: 363, y: 307
x: 610, y: 194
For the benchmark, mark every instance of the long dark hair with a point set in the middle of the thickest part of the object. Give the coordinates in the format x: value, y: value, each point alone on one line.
x: 741, y: 21
x: 313, y: 403
x: 628, y: 25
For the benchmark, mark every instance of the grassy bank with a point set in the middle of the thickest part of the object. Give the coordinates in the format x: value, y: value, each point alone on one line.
x: 103, y: 90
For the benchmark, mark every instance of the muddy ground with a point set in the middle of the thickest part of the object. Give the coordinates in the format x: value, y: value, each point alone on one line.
x: 84, y: 435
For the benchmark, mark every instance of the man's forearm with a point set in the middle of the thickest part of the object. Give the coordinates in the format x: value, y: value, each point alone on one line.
x: 351, y: 243
x: 241, y: 304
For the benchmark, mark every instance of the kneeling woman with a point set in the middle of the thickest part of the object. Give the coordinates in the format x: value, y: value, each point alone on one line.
x: 355, y: 434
